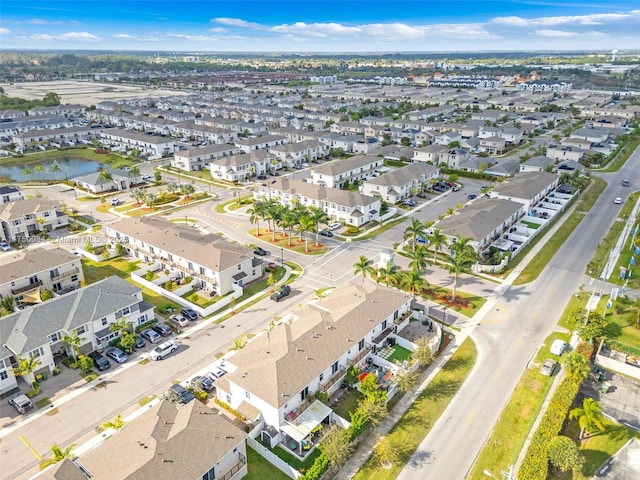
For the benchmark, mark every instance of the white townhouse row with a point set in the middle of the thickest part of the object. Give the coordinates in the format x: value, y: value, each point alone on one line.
x: 218, y: 264
x: 68, y: 110
x: 26, y: 124
x: 340, y: 172
x: 295, y: 154
x: 24, y: 274
x: 70, y: 136
x: 198, y: 158
x: 400, y: 183
x: 344, y: 206
x: 276, y: 375
x: 151, y: 145
x: 264, y: 142
x: 239, y: 168
x: 38, y: 331
x: 24, y: 218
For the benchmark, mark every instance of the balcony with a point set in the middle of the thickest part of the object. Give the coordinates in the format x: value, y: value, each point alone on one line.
x: 60, y: 276
x: 362, y: 354
x: 235, y: 468
x: 26, y: 288
x: 333, y: 379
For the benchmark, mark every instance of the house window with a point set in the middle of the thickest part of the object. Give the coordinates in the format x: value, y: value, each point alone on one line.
x: 81, y: 330
x: 334, y: 368
x: 210, y: 475
x: 228, y: 398
x: 190, y: 266
x: 74, y: 278
x: 3, y: 375
x: 247, y: 394
x: 361, y: 344
x: 321, y: 377
x: 103, y: 321
x: 54, y: 337
x: 170, y: 257
x: 304, y: 393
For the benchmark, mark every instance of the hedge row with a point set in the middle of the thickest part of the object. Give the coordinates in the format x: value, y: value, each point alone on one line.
x: 320, y: 465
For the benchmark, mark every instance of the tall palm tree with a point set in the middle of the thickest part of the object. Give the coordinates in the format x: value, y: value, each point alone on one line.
x: 288, y: 222
x: 413, y: 231
x: 318, y: 216
x: 137, y: 194
x: 58, y: 455
x: 419, y: 260
x: 27, y: 172
x: 363, y: 267
x: 459, y: 263
x: 72, y: 343
x: 437, y: 239
x: 121, y: 326
x: 187, y: 189
x: 172, y: 187
x: 25, y: 367
x: 589, y: 416
x: 55, y: 168
x: 104, y: 177
x: 135, y: 173
x: 463, y: 245
x: 306, y: 225
x: 413, y: 282
x: 255, y: 213
x: 39, y: 169
x: 390, y: 273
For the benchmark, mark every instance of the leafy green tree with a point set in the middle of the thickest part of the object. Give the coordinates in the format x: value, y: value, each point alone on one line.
x: 390, y: 273
x: 8, y: 305
x: 85, y: 363
x: 26, y: 366
x: 564, y: 454
x: 72, y: 343
x: 135, y: 173
x: 413, y: 231
x: 27, y: 172
x: 172, y: 187
x: 404, y: 377
x: 336, y: 446
x: 39, y: 169
x: 589, y: 417
x: 363, y: 267
x: 437, y: 240
x: 374, y: 407
x: 127, y: 342
x: 138, y: 195
x: 121, y: 326
x: 369, y: 384
x: 117, y: 423
x: 187, y: 189
x: 576, y: 365
x: 422, y: 353
x: 385, y: 452
x: 54, y: 168
x: 58, y: 455
x: 594, y: 328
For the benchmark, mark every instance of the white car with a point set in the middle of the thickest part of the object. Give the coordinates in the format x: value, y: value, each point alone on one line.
x: 334, y: 226
x: 618, y: 201
x: 179, y: 320
x: 557, y: 347
x: 163, y: 350
x: 5, y: 247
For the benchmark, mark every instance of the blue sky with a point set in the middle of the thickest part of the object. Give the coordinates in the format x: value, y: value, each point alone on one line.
x: 320, y: 26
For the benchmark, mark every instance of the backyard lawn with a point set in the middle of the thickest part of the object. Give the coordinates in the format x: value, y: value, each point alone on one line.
x: 348, y: 404
x: 399, y: 353
x: 261, y: 469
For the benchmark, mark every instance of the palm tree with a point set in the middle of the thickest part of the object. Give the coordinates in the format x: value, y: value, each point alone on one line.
x: 27, y: 172
x: 318, y: 216
x: 138, y: 195
x: 419, y: 260
x: 457, y: 264
x: 25, y: 367
x: 255, y: 213
x: 39, y: 168
x: 576, y: 365
x: 413, y: 282
x: 187, y: 189
x: 390, y: 273
x: 121, y: 326
x: 306, y: 225
x: 135, y: 173
x: 58, y: 455
x: 363, y: 266
x: 589, y: 416
x: 104, y: 177
x: 72, y: 343
x: 413, y: 231
x: 150, y: 199
x: 437, y: 239
x: 55, y: 168
x: 172, y: 187
x: 463, y: 245
x: 288, y: 222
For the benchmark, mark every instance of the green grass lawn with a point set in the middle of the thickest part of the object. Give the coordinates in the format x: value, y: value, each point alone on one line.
x: 261, y: 469
x: 517, y: 418
x: 348, y: 404
x: 296, y: 244
x: 399, y: 353
x: 596, y: 449
x: 623, y: 332
x: 465, y: 303
x: 293, y: 460
x: 415, y: 424
x: 532, y: 225
x: 546, y: 253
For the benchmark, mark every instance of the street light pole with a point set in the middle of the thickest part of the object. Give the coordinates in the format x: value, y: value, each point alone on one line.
x: 282, y: 256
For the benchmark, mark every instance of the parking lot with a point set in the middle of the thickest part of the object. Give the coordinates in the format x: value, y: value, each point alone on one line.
x: 621, y: 401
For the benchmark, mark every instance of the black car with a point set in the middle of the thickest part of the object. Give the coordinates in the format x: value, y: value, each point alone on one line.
x: 99, y: 361
x: 140, y: 343
x: 202, y: 383
x: 260, y: 251
x: 326, y: 233
x: 180, y: 394
x: 282, y: 292
x: 190, y: 314
x: 163, y: 329
x: 262, y: 177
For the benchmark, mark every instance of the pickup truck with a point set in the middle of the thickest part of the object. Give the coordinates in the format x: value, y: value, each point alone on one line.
x: 21, y: 402
x: 282, y: 292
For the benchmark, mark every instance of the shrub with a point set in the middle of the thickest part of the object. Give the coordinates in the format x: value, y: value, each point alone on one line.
x: 46, y: 295
x: 69, y: 362
x: 35, y: 390
x: 85, y: 363
x: 230, y: 409
x: 145, y: 325
x: 320, y: 465
x: 56, y: 370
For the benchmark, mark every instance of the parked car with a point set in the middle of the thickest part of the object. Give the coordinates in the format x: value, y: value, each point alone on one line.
x: 557, y: 347
x: 179, y: 320
x: 409, y: 202
x: 618, y: 201
x: 115, y: 202
x: 180, y: 394
x: 140, y: 343
x: 5, y: 247
x: 151, y: 336
x: 99, y: 361
x: 334, y: 226
x: 261, y: 177
x: 548, y: 367
x: 471, y: 196
x: 189, y: 313
x: 217, y: 373
x: 202, y: 383
x: 20, y: 402
x: 626, y: 183
x: 163, y: 350
x: 260, y: 251
x: 116, y: 354
x: 282, y: 292
x: 326, y: 233
x: 163, y: 329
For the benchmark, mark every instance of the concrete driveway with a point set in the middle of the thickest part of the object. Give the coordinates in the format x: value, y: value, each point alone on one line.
x: 621, y: 401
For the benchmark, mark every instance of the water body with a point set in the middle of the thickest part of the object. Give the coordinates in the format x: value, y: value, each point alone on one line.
x: 69, y: 168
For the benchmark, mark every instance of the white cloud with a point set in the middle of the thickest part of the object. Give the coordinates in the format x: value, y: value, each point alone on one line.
x: 592, y: 19
x: 236, y: 22
x: 124, y: 36
x: 42, y: 21
x: 555, y: 33
x: 79, y: 36
x: 4, y: 31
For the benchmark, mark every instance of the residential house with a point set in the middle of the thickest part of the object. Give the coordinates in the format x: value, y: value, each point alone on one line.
x: 120, y: 180
x: 195, y: 159
x: 337, y: 174
x: 280, y: 371
x: 504, y: 168
x: 24, y: 218
x: 593, y: 135
x: 344, y: 206
x: 238, y: 168
x: 337, y: 141
x: 149, y: 145
x: 560, y: 152
x: 429, y: 153
x: 190, y: 442
x: 527, y: 188
x: 10, y: 194
x: 265, y: 142
x: 452, y: 157
x: 537, y: 164
x: 348, y: 128
x: 218, y: 264
x: 492, y: 145
x: 38, y: 331
x: 400, y: 183
x: 24, y: 274
x: 295, y: 154
x: 61, y: 136
x: 483, y: 221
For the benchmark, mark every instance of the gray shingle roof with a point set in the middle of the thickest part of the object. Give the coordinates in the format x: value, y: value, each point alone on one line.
x: 526, y: 185
x: 21, y: 264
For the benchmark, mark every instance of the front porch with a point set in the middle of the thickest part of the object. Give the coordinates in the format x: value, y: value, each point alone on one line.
x: 301, y: 436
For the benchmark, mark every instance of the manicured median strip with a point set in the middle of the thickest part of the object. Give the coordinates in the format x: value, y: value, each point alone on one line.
x: 418, y: 420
